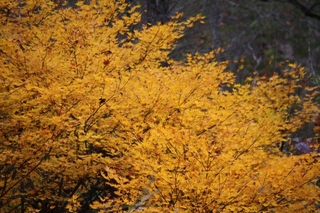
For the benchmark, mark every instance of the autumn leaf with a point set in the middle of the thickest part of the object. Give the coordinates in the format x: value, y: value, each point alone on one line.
x: 91, y: 120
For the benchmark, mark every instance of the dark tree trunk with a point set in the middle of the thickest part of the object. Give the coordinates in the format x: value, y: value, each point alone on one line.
x: 157, y: 11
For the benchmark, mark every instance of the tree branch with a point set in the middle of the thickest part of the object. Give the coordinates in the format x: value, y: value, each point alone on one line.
x: 306, y: 11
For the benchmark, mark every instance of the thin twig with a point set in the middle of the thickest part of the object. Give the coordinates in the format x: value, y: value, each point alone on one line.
x: 311, y: 65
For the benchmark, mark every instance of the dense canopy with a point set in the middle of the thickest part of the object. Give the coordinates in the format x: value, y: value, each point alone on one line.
x: 95, y: 115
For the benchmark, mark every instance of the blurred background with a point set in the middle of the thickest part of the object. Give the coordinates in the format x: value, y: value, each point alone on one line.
x: 261, y: 35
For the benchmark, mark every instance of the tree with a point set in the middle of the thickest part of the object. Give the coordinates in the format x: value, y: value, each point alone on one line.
x: 255, y: 35
x: 206, y: 149
x: 62, y: 92
x: 309, y: 8
x: 94, y: 112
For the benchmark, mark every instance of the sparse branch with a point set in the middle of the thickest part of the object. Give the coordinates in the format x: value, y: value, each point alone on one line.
x: 311, y: 65
x: 307, y: 11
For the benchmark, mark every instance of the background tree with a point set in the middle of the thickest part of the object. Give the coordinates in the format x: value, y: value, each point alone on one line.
x: 256, y: 35
x: 308, y: 8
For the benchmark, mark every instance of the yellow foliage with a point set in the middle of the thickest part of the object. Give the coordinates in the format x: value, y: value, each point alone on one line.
x: 87, y: 109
